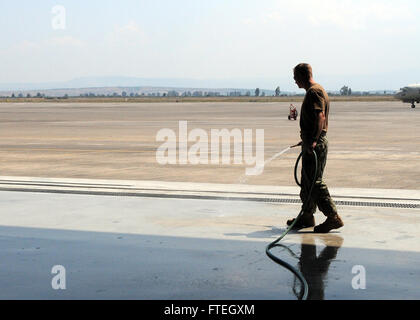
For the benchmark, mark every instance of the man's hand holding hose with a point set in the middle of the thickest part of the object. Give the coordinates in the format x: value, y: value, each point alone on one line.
x: 309, y: 149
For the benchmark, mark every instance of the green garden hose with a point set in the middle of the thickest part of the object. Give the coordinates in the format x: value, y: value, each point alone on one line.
x: 304, y: 292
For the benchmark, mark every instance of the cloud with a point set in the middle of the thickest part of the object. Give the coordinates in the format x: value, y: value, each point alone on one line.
x: 353, y: 16
x: 26, y: 46
x: 130, y: 28
x: 65, y: 41
x: 129, y: 33
x: 343, y: 14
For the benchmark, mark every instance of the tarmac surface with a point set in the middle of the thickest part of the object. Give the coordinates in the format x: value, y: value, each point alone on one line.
x: 371, y: 144
x: 158, y: 240
x: 81, y: 188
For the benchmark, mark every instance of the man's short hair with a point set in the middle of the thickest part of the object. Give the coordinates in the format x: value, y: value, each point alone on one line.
x: 303, y: 71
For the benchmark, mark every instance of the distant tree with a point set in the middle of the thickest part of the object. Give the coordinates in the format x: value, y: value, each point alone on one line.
x: 173, y: 93
x: 124, y: 94
x: 344, y: 91
x: 131, y: 94
x: 20, y: 95
x: 38, y: 95
x: 263, y: 94
x: 277, y: 92
x: 257, y: 92
x: 66, y: 96
x: 13, y: 95
x: 349, y: 92
x: 248, y: 93
x: 28, y: 95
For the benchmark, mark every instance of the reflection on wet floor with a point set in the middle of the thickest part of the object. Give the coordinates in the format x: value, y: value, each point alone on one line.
x: 315, y: 267
x: 202, y: 255
x: 132, y: 266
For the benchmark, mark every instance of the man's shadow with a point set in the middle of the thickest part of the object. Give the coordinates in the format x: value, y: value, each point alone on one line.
x: 313, y: 267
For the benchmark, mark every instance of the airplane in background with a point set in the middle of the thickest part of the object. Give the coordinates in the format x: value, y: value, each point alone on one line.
x: 410, y: 94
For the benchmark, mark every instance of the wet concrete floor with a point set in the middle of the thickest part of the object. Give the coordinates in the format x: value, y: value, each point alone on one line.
x: 117, y: 247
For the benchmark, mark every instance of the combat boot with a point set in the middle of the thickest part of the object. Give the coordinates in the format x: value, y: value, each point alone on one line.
x: 333, y: 222
x: 303, y: 222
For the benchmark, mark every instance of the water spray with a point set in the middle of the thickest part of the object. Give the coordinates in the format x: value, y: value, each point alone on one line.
x: 244, y: 178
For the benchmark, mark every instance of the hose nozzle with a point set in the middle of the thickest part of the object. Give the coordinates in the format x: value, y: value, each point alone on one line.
x: 296, y: 145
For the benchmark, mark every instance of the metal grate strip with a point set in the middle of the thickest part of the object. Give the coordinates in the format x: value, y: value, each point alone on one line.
x: 358, y: 203
x: 214, y: 197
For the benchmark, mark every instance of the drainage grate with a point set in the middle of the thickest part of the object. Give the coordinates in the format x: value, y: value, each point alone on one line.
x: 357, y: 203
x: 212, y: 197
x: 379, y: 204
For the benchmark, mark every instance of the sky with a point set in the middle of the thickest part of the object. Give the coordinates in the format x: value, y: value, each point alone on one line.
x: 368, y: 45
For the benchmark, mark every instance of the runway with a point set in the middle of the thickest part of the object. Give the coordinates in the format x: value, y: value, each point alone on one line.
x: 371, y: 144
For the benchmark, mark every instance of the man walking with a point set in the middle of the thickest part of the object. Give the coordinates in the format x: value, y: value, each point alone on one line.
x: 313, y: 132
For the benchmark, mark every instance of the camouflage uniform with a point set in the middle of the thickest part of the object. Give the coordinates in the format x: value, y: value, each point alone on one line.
x: 320, y: 195
x: 314, y: 113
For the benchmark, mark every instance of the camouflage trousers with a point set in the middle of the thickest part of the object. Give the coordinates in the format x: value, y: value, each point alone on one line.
x: 320, y: 196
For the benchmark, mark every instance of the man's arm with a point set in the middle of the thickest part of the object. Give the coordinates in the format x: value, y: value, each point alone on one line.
x: 319, y: 126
